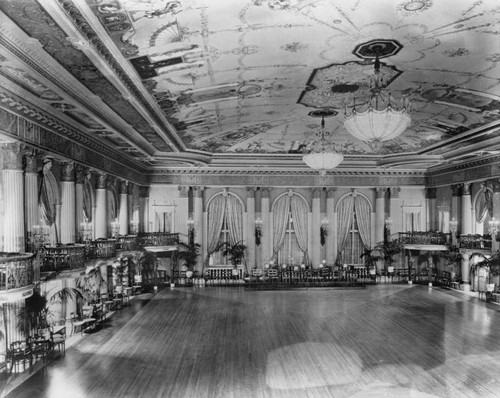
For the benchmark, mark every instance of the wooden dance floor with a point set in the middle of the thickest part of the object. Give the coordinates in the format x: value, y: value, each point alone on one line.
x: 382, y: 341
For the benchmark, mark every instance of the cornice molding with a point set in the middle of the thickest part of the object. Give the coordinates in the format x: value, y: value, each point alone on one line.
x: 34, y: 127
x: 74, y: 14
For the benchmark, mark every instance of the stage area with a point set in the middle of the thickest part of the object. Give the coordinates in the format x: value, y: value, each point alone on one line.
x: 382, y: 341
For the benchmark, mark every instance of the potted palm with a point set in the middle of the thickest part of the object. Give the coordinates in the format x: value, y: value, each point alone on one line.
x: 189, y: 252
x: 371, y: 260
x: 235, y: 251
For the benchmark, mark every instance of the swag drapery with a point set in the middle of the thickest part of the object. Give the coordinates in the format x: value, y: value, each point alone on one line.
x: 299, y: 211
x: 87, y: 203
x: 484, y: 205
x: 359, y: 205
x: 228, y: 207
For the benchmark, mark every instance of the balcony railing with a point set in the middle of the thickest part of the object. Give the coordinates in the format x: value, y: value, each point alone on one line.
x: 157, y: 239
x: 424, y: 238
x: 475, y: 241
x: 100, y: 249
x: 126, y: 243
x: 63, y: 257
x: 16, y: 271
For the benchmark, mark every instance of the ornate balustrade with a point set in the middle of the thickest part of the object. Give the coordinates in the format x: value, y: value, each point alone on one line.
x: 126, y: 243
x: 224, y: 274
x: 100, y: 249
x: 475, y: 241
x: 16, y: 275
x: 424, y: 238
x: 157, y: 239
x: 63, y: 257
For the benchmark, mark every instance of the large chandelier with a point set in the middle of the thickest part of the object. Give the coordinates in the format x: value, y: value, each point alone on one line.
x: 320, y: 158
x: 378, y: 120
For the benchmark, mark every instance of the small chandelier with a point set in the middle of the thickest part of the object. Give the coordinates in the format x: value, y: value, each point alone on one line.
x: 322, y: 159
x: 378, y: 120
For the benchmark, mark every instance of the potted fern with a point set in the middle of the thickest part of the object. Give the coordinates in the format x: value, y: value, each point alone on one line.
x: 189, y: 252
x: 235, y: 251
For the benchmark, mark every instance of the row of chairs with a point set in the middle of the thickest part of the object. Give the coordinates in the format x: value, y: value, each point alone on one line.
x: 39, y: 346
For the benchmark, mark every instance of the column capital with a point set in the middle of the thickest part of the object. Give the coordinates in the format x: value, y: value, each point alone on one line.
x: 330, y: 192
x: 130, y: 188
x: 431, y: 193
x: 67, y: 171
x: 144, y: 191
x: 183, y: 191
x: 80, y: 174
x: 102, y: 180
x: 316, y: 193
x: 455, y: 190
x: 466, y: 188
x: 395, y: 192
x: 12, y: 155
x: 30, y: 162
x: 123, y: 187
x: 250, y: 192
x: 198, y: 192
x: 265, y: 192
x: 380, y: 192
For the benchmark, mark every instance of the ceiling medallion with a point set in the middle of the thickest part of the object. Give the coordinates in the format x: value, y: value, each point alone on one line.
x: 377, y: 119
x: 322, y: 158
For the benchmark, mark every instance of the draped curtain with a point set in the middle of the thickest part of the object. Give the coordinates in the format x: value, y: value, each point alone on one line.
x: 484, y: 205
x: 344, y: 220
x: 363, y: 217
x: 46, y: 200
x: 280, y: 221
x: 300, y: 213
x: 87, y: 203
x: 216, y: 211
x: 234, y: 219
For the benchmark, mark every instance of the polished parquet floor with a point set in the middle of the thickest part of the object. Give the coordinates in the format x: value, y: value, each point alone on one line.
x: 382, y: 341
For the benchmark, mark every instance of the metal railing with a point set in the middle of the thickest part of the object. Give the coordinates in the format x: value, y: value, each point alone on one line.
x: 16, y: 271
x: 157, y: 239
x: 424, y: 238
x: 63, y: 257
x: 475, y: 241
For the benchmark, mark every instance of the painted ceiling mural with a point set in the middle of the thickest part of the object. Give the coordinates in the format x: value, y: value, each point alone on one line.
x: 246, y: 76
x: 233, y: 75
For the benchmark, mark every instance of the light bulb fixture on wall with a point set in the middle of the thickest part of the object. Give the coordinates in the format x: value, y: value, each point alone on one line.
x: 115, y: 228
x: 453, y: 226
x: 324, y: 230
x: 493, y: 227
x: 86, y: 231
x: 258, y: 231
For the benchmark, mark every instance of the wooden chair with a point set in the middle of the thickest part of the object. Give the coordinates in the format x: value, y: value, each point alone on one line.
x: 58, y: 337
x: 19, y: 353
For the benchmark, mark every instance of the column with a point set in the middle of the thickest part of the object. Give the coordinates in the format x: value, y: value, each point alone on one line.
x: 68, y: 202
x: 79, y: 181
x: 13, y: 184
x: 455, y: 205
x: 266, y: 248
x: 123, y: 214
x: 465, y: 272
x: 101, y: 217
x: 144, y: 209
x: 316, y: 228
x: 466, y: 213
x: 183, y: 209
x: 395, y: 207
x: 30, y: 193
x: 432, y: 214
x: 130, y: 207
x: 379, y: 214
x: 495, y: 184
x: 251, y: 248
x: 331, y: 239
x: 198, y: 223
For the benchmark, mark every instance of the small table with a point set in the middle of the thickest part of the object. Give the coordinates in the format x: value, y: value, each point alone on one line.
x: 83, y: 325
x: 455, y: 285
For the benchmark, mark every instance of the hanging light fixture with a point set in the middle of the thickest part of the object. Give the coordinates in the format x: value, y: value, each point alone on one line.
x: 320, y: 158
x: 378, y: 120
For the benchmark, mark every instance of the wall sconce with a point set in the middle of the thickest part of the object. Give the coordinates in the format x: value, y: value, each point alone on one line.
x: 493, y: 227
x: 86, y: 231
x: 323, y: 230
x: 134, y: 228
x: 258, y: 231
x: 453, y: 226
x: 190, y: 226
x: 388, y: 224
x: 115, y: 228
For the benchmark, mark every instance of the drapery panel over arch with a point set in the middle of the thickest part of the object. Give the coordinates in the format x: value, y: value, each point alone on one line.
x: 296, y: 206
x: 484, y: 205
x: 87, y: 201
x: 224, y: 206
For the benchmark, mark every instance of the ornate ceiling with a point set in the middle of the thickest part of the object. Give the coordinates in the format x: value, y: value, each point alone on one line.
x: 232, y: 83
